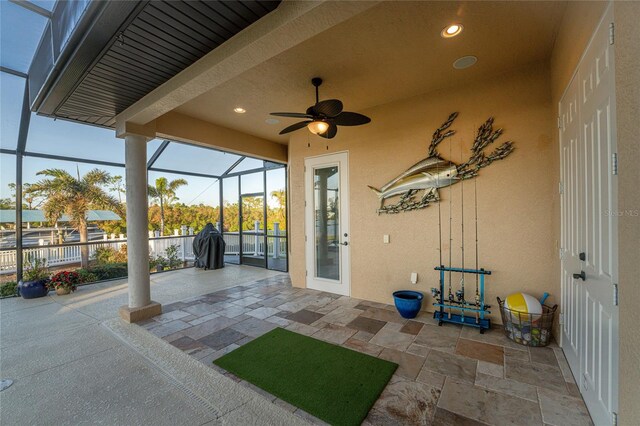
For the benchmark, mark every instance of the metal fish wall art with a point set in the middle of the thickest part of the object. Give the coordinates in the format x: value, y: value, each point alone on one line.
x: 434, y: 172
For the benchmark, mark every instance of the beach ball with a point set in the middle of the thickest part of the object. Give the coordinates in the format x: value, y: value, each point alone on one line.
x: 525, y: 304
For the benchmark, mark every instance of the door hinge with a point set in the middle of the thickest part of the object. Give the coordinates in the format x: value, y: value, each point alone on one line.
x: 560, y: 188
x: 615, y: 294
x: 614, y: 163
x: 614, y: 418
x: 559, y: 127
x: 561, y: 319
x: 561, y: 253
x: 306, y: 273
x: 612, y: 33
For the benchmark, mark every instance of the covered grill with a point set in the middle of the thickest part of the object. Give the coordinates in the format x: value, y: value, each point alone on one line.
x: 208, y: 248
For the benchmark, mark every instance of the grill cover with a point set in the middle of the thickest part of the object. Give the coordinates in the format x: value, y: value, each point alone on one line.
x: 208, y: 248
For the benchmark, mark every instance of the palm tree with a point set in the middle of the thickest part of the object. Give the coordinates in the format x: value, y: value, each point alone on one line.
x: 165, y: 193
x: 31, y: 200
x: 65, y: 194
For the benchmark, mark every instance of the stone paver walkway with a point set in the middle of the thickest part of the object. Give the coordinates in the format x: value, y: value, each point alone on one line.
x: 447, y: 375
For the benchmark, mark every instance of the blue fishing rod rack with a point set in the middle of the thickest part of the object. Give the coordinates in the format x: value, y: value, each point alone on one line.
x: 463, y: 306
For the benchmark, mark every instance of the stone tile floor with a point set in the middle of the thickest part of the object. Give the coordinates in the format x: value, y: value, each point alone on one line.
x: 447, y: 375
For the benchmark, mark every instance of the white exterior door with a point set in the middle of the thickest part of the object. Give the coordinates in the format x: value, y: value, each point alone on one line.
x: 327, y: 223
x: 589, y: 227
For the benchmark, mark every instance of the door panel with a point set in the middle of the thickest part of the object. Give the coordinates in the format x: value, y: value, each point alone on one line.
x: 327, y: 223
x: 570, y: 208
x: 589, y: 222
x: 600, y: 356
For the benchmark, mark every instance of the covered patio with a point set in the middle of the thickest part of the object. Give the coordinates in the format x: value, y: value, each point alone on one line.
x: 446, y: 375
x: 379, y: 120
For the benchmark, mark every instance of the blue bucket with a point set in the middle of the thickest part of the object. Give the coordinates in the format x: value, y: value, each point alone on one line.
x: 408, y: 302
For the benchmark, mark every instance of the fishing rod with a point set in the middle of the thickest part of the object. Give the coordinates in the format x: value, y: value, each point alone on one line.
x: 450, y: 235
x: 439, y: 222
x: 461, y: 296
x: 475, y: 200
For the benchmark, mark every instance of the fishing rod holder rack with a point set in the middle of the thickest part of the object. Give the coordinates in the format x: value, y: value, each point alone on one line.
x: 478, y: 307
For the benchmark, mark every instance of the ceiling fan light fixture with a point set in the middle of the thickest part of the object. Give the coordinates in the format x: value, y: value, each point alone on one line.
x: 239, y: 110
x: 451, y: 30
x: 318, y: 127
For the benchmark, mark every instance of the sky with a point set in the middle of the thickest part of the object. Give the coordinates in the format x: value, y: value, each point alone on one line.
x: 65, y: 138
x: 20, y: 34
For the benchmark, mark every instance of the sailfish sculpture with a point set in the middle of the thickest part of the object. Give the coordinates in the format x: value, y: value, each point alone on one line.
x: 434, y: 172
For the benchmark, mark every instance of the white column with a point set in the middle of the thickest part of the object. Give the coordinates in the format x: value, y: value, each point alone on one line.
x: 137, y: 221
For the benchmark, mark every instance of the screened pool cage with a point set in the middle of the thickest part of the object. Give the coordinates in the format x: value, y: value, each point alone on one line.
x: 244, y: 197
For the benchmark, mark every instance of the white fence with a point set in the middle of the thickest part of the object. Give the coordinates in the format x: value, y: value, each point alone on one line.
x: 254, y: 244
x: 71, y: 253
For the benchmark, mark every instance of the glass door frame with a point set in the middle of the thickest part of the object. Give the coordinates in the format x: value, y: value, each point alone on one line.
x: 342, y: 285
x: 281, y: 239
x: 245, y: 260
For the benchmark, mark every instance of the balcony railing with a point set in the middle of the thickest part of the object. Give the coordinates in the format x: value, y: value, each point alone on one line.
x: 71, y: 253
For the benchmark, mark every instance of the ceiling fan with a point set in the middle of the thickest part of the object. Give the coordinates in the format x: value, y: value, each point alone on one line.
x: 324, y: 117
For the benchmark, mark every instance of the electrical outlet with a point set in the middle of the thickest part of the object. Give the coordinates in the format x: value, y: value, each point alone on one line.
x: 385, y: 239
x: 414, y: 278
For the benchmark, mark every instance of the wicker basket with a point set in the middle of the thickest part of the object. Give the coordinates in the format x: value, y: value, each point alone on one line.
x: 528, y: 329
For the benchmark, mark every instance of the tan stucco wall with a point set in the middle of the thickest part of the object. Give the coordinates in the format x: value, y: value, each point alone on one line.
x: 579, y: 21
x: 188, y: 129
x: 516, y: 196
x: 627, y: 63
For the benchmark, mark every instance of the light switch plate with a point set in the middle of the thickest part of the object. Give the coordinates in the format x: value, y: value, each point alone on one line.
x: 414, y: 278
x: 385, y: 238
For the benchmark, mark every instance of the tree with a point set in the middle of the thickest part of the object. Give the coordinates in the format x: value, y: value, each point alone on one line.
x: 279, y: 213
x: 165, y: 192
x: 117, y: 185
x: 31, y: 199
x: 65, y: 194
x: 7, y: 204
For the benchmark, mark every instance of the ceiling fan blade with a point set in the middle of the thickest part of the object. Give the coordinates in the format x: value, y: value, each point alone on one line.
x: 291, y: 114
x: 329, y: 108
x: 293, y: 127
x: 330, y: 133
x: 347, y: 118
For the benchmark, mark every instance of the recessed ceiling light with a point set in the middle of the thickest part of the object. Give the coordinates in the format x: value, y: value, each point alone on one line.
x: 452, y: 30
x: 272, y: 121
x: 239, y: 110
x: 464, y: 62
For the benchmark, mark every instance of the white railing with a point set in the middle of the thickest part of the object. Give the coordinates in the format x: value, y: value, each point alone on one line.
x: 276, y: 247
x: 71, y: 253
x: 67, y: 254
x: 158, y: 246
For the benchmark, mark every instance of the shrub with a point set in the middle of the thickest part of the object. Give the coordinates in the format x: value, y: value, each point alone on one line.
x: 110, y: 271
x: 35, y: 269
x: 160, y: 261
x: 9, y: 289
x: 86, y: 276
x: 65, y: 279
x: 172, y: 256
x: 106, y: 255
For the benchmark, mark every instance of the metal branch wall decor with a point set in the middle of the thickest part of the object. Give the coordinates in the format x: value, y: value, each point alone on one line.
x: 434, y: 172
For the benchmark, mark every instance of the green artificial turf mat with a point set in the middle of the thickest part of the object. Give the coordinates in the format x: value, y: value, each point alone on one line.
x: 333, y: 383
